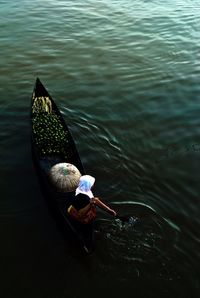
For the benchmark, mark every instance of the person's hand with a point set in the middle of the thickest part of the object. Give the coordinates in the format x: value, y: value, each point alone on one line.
x: 112, y: 212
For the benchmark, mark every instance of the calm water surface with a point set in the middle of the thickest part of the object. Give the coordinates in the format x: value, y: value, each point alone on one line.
x: 126, y: 76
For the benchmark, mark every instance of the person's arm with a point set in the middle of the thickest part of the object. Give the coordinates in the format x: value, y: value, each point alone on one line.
x: 73, y: 212
x: 100, y: 204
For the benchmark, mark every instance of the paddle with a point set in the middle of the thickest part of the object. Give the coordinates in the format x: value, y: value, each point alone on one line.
x: 125, y: 218
x: 129, y: 219
x: 105, y: 208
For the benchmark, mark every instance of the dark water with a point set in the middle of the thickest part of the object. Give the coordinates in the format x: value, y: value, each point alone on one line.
x: 126, y: 76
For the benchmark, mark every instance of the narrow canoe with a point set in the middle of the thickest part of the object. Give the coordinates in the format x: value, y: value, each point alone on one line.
x: 52, y: 143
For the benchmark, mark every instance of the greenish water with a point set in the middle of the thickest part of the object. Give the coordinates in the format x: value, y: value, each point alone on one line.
x: 126, y: 76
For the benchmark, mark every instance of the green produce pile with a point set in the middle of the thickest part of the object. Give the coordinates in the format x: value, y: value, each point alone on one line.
x: 50, y: 137
x: 42, y: 104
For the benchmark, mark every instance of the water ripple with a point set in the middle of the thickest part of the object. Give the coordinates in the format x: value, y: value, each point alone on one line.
x: 126, y: 77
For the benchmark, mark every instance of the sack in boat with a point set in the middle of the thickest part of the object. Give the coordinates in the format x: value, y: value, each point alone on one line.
x: 65, y: 177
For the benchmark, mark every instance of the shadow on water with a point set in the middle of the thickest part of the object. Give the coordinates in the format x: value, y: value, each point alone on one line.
x: 142, y: 255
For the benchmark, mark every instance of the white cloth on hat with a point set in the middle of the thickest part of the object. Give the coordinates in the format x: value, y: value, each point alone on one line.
x: 84, y: 186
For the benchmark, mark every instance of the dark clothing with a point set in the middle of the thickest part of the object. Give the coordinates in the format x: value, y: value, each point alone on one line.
x: 80, y: 201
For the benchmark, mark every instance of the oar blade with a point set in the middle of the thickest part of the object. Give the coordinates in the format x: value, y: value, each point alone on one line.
x: 129, y: 219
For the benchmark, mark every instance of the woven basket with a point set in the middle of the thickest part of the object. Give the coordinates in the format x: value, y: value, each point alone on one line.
x: 65, y: 177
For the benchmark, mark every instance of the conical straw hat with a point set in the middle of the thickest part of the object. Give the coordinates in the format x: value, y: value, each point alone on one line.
x: 65, y: 177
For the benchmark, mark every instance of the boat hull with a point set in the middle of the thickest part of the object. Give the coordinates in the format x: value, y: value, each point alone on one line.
x: 52, y: 143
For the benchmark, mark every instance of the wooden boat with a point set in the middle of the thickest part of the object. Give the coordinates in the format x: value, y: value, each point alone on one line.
x: 52, y: 143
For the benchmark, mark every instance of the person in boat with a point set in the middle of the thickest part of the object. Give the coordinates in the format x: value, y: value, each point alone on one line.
x: 84, y: 205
